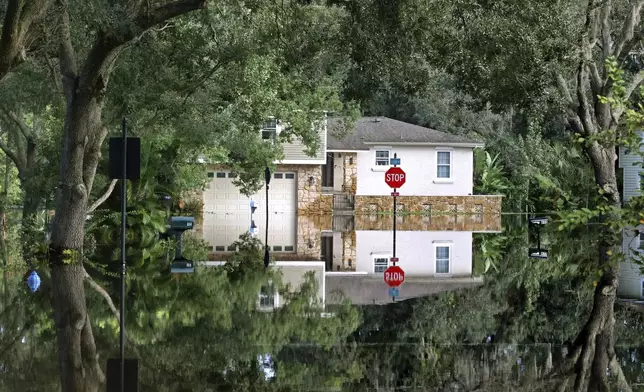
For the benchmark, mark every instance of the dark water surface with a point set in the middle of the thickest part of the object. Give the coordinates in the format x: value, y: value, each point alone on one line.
x: 475, y: 312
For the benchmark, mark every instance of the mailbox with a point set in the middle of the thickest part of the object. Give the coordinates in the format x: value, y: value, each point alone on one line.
x: 182, y: 223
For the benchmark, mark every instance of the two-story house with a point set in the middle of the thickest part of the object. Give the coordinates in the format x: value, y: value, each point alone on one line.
x: 348, y: 173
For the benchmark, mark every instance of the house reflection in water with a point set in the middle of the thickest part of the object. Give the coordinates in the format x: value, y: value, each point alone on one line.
x: 435, y: 251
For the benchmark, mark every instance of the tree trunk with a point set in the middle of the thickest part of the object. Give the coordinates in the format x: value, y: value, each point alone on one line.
x: 78, y: 358
x: 83, y: 134
x: 593, y: 350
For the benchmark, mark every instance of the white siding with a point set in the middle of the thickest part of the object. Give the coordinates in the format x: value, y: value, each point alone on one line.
x: 419, y: 163
x: 631, y: 171
x: 630, y: 276
x: 416, y: 250
x: 294, y: 152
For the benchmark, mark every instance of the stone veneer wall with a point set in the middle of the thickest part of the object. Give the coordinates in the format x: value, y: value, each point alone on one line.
x: 310, y: 199
x: 309, y: 238
x: 475, y: 204
x: 349, y: 251
x: 426, y: 222
x: 350, y: 167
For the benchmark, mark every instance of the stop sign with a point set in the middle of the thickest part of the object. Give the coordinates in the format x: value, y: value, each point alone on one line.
x: 394, y: 276
x: 395, y: 177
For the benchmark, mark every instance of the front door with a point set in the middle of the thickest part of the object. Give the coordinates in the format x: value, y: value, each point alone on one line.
x: 327, y: 171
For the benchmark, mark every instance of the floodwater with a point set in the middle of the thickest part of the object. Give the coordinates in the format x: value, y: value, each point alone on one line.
x: 474, y: 312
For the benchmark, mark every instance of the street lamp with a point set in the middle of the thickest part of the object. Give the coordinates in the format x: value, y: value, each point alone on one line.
x: 267, y: 178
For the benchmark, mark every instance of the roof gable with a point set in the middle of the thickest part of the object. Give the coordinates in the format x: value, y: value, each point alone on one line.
x: 382, y: 130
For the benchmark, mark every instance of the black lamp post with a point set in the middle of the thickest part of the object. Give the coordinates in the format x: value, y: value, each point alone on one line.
x: 267, y: 177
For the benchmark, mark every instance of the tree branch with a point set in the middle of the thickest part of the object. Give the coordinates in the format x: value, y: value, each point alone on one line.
x: 607, y: 41
x: 24, y: 129
x: 68, y: 67
x: 19, y: 17
x: 149, y: 18
x: 95, y: 71
x: 563, y: 87
x: 596, y: 82
x: 104, y: 197
x: 638, y: 78
x: 12, y: 155
x: 15, y: 339
x: 628, y: 31
x: 583, y: 109
x: 97, y: 287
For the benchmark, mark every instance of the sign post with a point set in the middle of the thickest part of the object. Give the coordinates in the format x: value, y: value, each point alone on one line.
x: 395, y: 177
x: 124, y: 164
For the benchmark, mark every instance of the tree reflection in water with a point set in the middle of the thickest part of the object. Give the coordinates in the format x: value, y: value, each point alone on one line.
x: 207, y: 331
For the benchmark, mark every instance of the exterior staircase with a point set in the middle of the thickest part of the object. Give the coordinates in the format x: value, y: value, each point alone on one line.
x: 343, y: 204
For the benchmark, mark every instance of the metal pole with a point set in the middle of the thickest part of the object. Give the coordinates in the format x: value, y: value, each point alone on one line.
x: 123, y: 223
x: 395, y: 213
x: 266, y: 247
x: 395, y: 226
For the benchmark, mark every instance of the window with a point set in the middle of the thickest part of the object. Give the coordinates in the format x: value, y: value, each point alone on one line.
x: 444, y: 164
x: 277, y: 248
x: 269, y: 130
x: 289, y: 176
x: 642, y: 288
x: 641, y: 180
x: 231, y: 248
x: 220, y: 248
x: 211, y: 175
x: 268, y: 297
x: 279, y: 175
x: 382, y: 157
x: 289, y: 248
x: 443, y: 256
x: 232, y: 175
x: 641, y: 239
x: 221, y: 175
x: 380, y: 264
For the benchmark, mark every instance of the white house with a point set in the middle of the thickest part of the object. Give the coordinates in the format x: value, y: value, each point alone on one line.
x: 347, y: 173
x: 438, y: 167
x: 631, y: 279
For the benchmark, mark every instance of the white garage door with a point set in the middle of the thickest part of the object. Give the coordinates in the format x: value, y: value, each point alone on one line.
x: 227, y: 212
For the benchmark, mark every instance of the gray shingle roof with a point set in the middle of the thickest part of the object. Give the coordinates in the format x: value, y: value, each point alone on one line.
x: 374, y: 130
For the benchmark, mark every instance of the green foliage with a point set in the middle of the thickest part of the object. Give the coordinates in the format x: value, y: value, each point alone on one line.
x: 206, y: 329
x: 488, y: 174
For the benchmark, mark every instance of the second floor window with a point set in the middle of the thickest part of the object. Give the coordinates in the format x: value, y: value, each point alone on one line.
x: 444, y: 164
x: 382, y: 158
x: 269, y: 130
